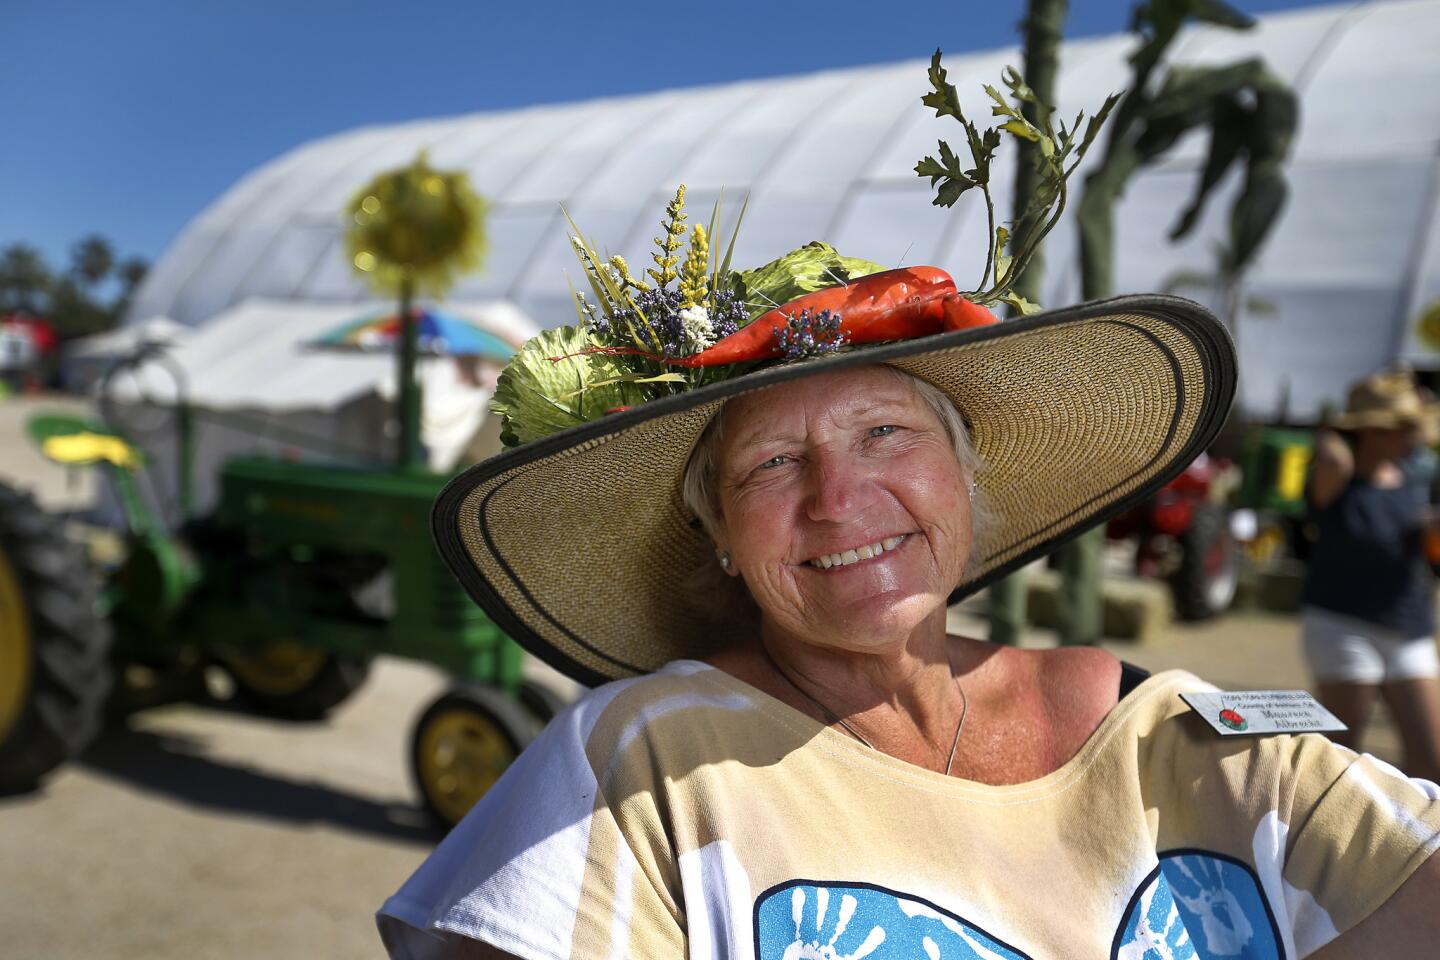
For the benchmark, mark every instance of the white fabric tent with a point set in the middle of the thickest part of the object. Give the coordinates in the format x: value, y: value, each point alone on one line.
x: 256, y: 387
x: 830, y: 156
x: 85, y: 360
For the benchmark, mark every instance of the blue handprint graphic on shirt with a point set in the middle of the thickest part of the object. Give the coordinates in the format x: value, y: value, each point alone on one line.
x: 1199, y: 906
x: 846, y: 921
x: 1195, y: 905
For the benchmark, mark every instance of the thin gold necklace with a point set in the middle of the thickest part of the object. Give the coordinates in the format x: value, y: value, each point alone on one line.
x: 834, y: 717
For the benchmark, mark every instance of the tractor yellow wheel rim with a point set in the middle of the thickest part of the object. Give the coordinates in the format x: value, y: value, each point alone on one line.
x: 15, y: 649
x: 460, y: 756
x: 279, y: 668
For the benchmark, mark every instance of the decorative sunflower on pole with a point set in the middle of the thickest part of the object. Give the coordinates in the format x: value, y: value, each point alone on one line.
x: 411, y: 232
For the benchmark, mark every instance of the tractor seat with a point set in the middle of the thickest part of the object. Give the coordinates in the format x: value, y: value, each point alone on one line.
x: 74, y: 442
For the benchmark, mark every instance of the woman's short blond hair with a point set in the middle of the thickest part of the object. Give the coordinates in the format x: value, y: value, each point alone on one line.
x: 725, y: 596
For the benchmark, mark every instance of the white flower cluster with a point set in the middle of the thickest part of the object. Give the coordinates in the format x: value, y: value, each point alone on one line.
x: 699, y: 332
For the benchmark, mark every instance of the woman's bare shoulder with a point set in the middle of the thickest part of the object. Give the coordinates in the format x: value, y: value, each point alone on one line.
x: 1048, y: 703
x: 1081, y: 684
x: 1063, y: 675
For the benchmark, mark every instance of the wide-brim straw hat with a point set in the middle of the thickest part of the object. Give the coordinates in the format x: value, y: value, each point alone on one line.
x: 1388, y: 400
x: 578, y: 545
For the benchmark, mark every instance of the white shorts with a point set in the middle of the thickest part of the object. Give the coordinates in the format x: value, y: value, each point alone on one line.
x: 1345, y: 650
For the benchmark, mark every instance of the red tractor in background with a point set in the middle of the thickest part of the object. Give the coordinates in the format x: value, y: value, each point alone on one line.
x: 28, y: 346
x: 1184, y: 535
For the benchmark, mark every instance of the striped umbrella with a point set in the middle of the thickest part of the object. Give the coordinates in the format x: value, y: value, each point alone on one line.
x: 439, y: 334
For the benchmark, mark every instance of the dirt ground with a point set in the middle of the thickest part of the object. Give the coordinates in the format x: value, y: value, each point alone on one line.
x: 199, y: 832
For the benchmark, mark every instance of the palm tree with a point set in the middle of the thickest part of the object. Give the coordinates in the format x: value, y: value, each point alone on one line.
x: 91, y: 260
x: 25, y: 280
x: 130, y: 272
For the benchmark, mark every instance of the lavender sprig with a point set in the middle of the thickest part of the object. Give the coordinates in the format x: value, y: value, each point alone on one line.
x: 807, y: 334
x: 727, y: 313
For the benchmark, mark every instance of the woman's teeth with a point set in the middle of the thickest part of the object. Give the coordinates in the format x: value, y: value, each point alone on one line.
x: 856, y: 554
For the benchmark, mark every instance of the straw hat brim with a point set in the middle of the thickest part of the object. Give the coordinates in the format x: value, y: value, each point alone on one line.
x: 1425, y: 417
x: 578, y: 544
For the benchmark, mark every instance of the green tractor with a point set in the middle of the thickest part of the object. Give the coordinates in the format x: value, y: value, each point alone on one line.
x: 299, y: 576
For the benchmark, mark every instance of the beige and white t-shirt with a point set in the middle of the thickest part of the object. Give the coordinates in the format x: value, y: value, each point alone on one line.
x: 687, y: 814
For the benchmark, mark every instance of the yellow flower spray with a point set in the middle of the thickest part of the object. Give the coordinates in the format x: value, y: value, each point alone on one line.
x: 674, y: 227
x: 695, y: 271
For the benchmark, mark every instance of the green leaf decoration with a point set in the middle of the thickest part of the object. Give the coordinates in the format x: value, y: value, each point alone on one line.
x: 1021, y: 128
x: 936, y: 170
x: 814, y: 266
x: 627, y: 378
x: 1096, y: 122
x: 951, y: 191
x: 730, y: 247
x: 1019, y: 89
x: 1024, y: 117
x: 946, y: 172
x: 942, y: 97
x: 1022, y: 306
x: 537, y: 396
x: 1002, y: 259
x: 714, y: 266
x: 1001, y: 107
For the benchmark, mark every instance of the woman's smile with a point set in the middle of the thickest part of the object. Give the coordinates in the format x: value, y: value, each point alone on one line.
x: 858, y: 554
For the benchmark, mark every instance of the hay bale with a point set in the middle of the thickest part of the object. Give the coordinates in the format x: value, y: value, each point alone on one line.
x: 1134, y: 609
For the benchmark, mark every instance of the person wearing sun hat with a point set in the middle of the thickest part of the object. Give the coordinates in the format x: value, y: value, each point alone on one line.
x: 813, y: 759
x: 1369, y: 617
x: 738, y: 504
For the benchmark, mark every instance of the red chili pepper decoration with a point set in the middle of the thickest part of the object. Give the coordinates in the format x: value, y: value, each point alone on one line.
x: 894, y: 305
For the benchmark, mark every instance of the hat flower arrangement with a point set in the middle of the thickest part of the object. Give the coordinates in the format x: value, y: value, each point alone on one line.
x: 691, y: 320
x: 1075, y: 413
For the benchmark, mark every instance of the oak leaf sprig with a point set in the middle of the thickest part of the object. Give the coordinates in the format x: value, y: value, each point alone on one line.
x: 1059, y: 151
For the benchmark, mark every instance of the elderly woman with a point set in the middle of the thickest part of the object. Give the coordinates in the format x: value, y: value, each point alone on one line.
x: 793, y: 758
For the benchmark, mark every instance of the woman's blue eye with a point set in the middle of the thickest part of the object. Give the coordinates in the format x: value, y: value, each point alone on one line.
x: 884, y: 431
x: 772, y: 462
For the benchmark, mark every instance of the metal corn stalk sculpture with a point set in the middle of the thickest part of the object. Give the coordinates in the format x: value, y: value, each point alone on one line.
x: 1251, y: 116
x: 1044, y: 28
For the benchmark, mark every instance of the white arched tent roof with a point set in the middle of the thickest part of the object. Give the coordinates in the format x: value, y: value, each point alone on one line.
x: 830, y: 156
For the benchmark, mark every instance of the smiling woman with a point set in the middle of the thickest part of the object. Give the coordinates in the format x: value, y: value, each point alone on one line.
x: 724, y: 598
x: 822, y: 769
x: 815, y: 472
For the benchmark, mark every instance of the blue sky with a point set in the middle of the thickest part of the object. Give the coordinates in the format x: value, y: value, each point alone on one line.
x: 128, y: 118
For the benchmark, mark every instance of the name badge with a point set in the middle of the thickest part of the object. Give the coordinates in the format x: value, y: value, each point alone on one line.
x: 1253, y: 712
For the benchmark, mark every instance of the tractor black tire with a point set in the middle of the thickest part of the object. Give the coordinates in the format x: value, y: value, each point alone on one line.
x: 331, y: 684
x: 462, y: 743
x: 51, y: 628
x: 1203, y: 585
x: 542, y: 700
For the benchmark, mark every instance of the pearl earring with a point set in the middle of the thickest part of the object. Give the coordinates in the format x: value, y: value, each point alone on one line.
x: 724, y: 560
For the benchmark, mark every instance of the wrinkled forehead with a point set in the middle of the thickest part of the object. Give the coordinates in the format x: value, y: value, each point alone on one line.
x: 802, y: 407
